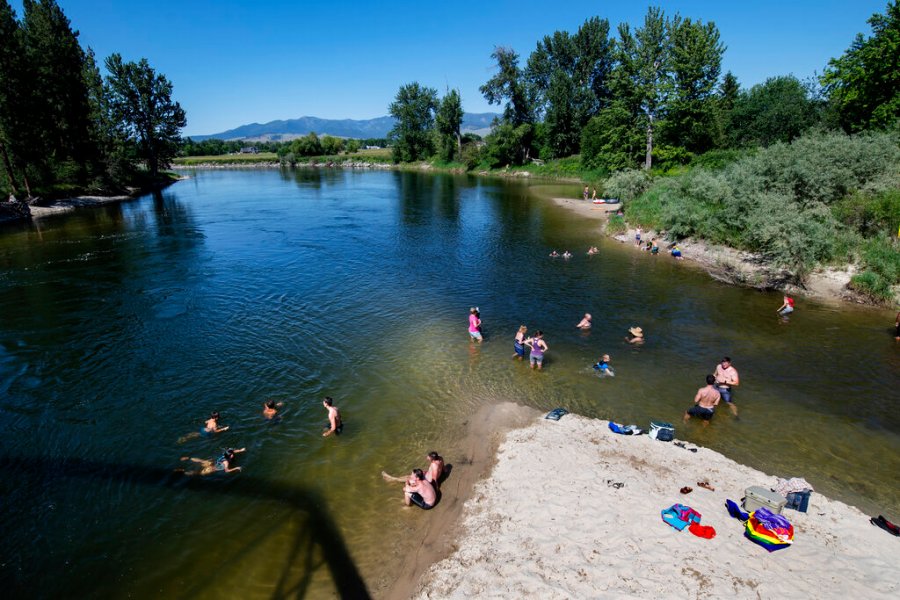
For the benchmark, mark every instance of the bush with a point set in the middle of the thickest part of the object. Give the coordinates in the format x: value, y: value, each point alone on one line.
x: 628, y: 184
x: 616, y: 224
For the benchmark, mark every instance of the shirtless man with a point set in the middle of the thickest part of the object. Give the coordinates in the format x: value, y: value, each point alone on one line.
x: 418, y: 491
x: 210, y: 427
x: 705, y: 402
x: 208, y: 467
x: 727, y: 379
x: 270, y: 408
x: 336, y: 426
x: 585, y: 323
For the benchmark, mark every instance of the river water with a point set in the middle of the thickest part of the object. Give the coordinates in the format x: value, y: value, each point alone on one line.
x: 123, y: 327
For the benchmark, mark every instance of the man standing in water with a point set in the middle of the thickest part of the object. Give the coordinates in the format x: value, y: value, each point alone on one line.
x: 334, y: 417
x: 705, y: 402
x: 726, y: 379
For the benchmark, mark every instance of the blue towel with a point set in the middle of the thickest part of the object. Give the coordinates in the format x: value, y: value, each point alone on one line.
x: 556, y: 414
x: 735, y: 511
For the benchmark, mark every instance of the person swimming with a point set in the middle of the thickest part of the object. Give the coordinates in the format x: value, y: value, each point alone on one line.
x: 208, y: 466
x: 554, y: 254
x: 637, y: 335
x: 270, y: 408
x: 602, y: 366
x: 210, y: 427
x: 566, y: 254
x: 585, y: 322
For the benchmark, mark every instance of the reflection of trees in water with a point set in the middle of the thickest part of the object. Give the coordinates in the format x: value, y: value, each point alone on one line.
x: 312, y: 177
x: 423, y: 195
x: 317, y: 542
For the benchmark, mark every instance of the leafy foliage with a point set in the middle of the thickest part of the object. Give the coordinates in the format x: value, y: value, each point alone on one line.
x: 414, y: 109
x: 778, y: 110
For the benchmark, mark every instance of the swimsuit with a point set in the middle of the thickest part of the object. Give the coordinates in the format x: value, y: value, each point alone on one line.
x: 520, y: 349
x: 699, y: 411
x: 537, y: 354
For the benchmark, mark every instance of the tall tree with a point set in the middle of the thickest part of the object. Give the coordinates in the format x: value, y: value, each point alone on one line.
x: 864, y: 83
x: 643, y: 77
x: 449, y: 121
x: 509, y: 86
x: 696, y: 59
x: 13, y: 101
x: 141, y: 101
x: 56, y: 68
x: 413, y: 108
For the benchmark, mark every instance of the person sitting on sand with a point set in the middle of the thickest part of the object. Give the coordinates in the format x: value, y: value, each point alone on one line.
x: 270, y: 408
x: 787, y: 307
x: 602, y: 367
x: 435, y: 469
x: 648, y: 247
x: 210, y: 427
x: 418, y: 491
x: 538, y: 347
x: 335, y: 424
x: 554, y: 254
x: 637, y: 335
x: 208, y: 466
x: 519, y: 343
x: 475, y: 325
x: 585, y: 322
x: 676, y: 253
x: 705, y: 402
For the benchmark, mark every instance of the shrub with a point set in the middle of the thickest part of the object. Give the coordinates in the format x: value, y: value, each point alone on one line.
x: 628, y: 184
x: 616, y: 224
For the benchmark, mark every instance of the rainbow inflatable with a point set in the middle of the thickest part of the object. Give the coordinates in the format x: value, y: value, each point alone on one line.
x: 771, y: 531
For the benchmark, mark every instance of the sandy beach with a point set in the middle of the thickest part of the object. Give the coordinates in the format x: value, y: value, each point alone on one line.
x: 553, y: 521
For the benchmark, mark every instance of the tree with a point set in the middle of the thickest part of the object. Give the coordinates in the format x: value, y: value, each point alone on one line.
x: 778, y: 110
x: 449, y: 121
x: 308, y: 145
x: 696, y: 58
x: 864, y: 83
x: 13, y: 106
x: 413, y: 108
x: 518, y: 113
x: 610, y: 140
x: 141, y: 101
x: 332, y: 145
x: 643, y: 78
x: 61, y: 111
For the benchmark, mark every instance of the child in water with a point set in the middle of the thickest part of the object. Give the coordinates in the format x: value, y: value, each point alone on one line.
x: 209, y: 466
x: 209, y: 428
x: 602, y: 367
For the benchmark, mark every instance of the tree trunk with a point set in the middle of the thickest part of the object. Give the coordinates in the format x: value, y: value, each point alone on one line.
x: 7, y: 165
x: 458, y: 146
x: 649, y: 160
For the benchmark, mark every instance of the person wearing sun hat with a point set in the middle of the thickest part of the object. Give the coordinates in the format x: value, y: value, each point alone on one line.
x: 637, y: 335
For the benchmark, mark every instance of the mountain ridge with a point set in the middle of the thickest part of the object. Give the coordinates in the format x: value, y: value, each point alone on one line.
x: 288, y: 129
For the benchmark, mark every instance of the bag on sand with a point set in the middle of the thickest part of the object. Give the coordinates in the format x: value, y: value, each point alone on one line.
x: 662, y: 432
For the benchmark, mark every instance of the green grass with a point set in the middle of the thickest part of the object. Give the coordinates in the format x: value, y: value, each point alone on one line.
x: 229, y: 159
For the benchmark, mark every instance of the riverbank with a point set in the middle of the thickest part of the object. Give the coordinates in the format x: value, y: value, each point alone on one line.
x: 572, y: 510
x: 733, y: 266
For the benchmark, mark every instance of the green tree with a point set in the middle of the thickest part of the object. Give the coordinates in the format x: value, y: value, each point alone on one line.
x: 449, y: 121
x: 696, y: 59
x: 413, y: 108
x: 61, y: 112
x: 642, y: 80
x: 611, y: 140
x: 864, y: 83
x: 778, y: 110
x: 308, y: 145
x: 331, y: 145
x: 14, y: 103
x: 141, y: 102
x: 351, y: 146
x: 508, y: 85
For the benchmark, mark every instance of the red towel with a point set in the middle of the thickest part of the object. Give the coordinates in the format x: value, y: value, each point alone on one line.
x: 702, y: 531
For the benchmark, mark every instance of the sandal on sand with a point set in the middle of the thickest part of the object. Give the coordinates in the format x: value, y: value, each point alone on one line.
x: 883, y: 523
x: 687, y: 490
x: 705, y: 484
x: 615, y: 484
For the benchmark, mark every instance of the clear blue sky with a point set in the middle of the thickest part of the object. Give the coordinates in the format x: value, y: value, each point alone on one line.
x: 242, y: 61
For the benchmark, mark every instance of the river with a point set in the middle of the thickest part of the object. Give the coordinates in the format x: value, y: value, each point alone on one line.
x: 123, y: 327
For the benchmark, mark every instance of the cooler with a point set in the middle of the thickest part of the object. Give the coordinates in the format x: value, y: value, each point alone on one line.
x: 756, y: 497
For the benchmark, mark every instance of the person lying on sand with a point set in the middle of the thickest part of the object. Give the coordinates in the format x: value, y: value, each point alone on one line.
x: 210, y: 427
x: 209, y: 466
x: 705, y: 402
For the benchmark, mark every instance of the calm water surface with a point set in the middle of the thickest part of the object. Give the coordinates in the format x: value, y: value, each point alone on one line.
x: 122, y: 328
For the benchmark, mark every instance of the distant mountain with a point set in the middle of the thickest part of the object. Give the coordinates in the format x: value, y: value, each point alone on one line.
x: 478, y: 123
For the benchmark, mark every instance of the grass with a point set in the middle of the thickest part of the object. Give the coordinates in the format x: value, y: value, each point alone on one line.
x: 228, y: 159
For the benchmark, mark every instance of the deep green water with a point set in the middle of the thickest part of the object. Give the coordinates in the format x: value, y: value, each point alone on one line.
x: 121, y: 328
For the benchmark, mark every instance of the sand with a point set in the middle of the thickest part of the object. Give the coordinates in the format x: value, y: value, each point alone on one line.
x: 548, y: 523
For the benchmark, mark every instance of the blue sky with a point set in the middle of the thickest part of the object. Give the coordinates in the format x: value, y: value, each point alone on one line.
x: 234, y: 62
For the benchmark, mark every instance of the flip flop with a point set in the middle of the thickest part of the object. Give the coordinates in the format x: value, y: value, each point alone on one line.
x: 705, y: 484
x: 883, y: 523
x: 687, y: 490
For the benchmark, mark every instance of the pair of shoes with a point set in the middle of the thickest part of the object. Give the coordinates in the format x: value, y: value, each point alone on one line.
x: 687, y: 490
x: 883, y: 523
x: 615, y: 484
x: 705, y: 484
x: 682, y: 445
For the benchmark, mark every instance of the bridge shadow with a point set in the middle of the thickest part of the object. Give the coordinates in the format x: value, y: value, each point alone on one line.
x: 318, y: 536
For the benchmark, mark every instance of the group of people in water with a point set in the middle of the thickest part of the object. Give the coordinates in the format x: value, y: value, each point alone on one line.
x: 224, y: 463
x: 719, y: 386
x: 422, y: 488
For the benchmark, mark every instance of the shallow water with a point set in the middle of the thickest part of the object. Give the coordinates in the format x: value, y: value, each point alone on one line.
x: 123, y: 327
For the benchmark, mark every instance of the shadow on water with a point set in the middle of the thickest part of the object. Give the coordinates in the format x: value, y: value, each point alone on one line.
x: 319, y: 535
